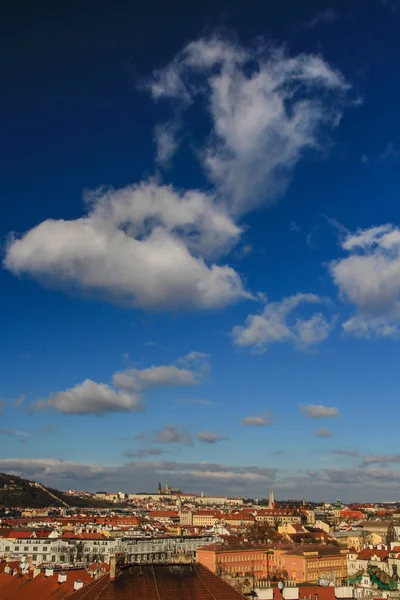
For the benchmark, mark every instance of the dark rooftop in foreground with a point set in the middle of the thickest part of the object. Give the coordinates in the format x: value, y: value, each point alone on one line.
x: 160, y: 582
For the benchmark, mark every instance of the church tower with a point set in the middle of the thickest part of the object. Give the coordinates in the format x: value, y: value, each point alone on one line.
x: 271, y: 501
x: 159, y: 487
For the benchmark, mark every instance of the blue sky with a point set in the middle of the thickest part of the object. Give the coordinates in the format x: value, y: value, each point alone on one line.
x: 201, y: 247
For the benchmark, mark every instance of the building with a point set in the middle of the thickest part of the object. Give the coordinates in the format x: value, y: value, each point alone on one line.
x: 310, y: 565
x: 167, y: 490
x: 278, y: 516
x: 206, y: 518
x: 235, y: 560
x: 83, y: 549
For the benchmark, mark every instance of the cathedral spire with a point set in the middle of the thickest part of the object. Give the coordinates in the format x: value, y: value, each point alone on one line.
x: 271, y: 501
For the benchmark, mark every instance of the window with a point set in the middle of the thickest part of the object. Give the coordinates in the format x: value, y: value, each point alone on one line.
x: 7, y: 548
x: 35, y: 548
x: 45, y: 548
x: 16, y: 547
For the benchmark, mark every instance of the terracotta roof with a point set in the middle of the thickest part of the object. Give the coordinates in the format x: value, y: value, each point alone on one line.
x: 163, y: 513
x: 24, y: 587
x: 20, y: 534
x: 368, y: 553
x: 93, y: 590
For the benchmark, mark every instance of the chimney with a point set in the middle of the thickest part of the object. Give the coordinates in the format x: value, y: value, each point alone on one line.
x: 78, y: 583
x: 7, y: 570
x: 62, y: 577
x: 113, y: 568
x: 49, y: 572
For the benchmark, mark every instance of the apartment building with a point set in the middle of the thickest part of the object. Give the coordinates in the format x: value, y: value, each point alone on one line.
x: 206, y: 518
x: 312, y: 564
x: 276, y: 516
x: 235, y: 560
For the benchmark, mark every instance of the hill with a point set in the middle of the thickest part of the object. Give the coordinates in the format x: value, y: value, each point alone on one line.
x: 16, y: 492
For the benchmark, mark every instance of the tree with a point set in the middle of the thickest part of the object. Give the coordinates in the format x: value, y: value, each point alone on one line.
x: 262, y: 533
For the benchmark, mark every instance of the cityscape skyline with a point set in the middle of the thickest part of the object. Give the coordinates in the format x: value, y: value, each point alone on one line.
x: 200, y: 276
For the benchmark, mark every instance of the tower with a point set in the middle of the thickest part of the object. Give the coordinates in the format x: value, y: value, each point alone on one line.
x: 271, y: 501
x: 159, y: 487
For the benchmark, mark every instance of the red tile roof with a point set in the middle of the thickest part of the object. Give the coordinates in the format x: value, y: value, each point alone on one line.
x: 368, y: 553
x: 26, y: 587
x: 19, y: 534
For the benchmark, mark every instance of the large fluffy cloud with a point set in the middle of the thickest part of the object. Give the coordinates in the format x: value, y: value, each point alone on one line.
x: 276, y: 324
x: 266, y: 108
x: 126, y: 393
x: 144, y: 245
x: 369, y: 278
x: 150, y: 245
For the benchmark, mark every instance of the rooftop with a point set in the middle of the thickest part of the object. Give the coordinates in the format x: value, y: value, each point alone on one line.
x: 169, y: 582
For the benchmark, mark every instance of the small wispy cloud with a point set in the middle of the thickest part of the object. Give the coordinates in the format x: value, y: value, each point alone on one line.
x: 197, y: 401
x: 350, y: 453
x: 7, y: 431
x: 48, y: 428
x: 143, y: 452
x: 209, y: 437
x: 322, y: 432
x: 258, y: 420
x: 172, y: 434
x: 390, y: 152
x: 322, y: 17
x: 319, y: 411
x: 294, y: 226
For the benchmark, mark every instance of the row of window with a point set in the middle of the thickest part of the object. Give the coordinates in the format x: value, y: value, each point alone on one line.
x: 325, y: 563
x: 241, y: 558
x: 25, y: 549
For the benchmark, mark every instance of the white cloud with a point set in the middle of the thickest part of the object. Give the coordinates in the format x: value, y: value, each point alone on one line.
x: 126, y: 394
x: 94, y: 398
x: 276, y: 324
x: 266, y: 109
x: 7, y: 431
x: 319, y: 411
x: 152, y: 246
x: 258, y: 420
x: 143, y: 245
x: 209, y: 437
x: 165, y: 136
x: 153, y: 377
x: 171, y: 434
x: 382, y: 460
x: 195, y: 359
x: 369, y: 278
x: 366, y: 327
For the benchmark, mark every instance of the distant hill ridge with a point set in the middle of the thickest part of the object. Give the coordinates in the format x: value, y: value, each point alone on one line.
x: 17, y: 492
